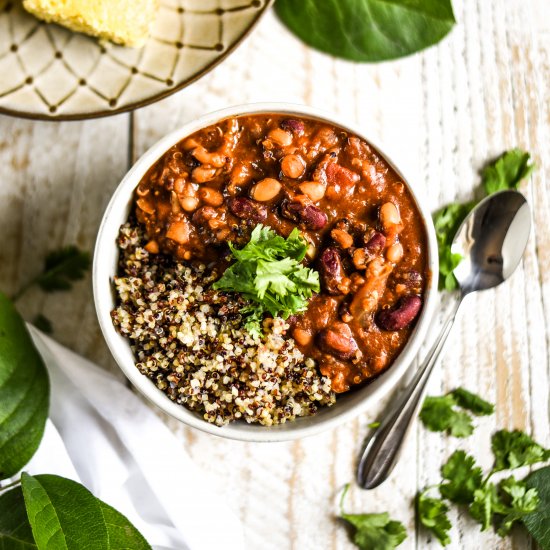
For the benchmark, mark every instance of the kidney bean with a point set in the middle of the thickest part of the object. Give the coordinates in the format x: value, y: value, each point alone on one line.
x: 311, y: 216
x: 337, y: 340
x: 247, y: 209
x: 401, y: 315
x: 293, y: 125
x: 331, y: 271
x: 344, y: 312
x: 375, y: 243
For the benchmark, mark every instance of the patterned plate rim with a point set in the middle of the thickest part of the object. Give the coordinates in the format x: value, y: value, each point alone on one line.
x: 154, y: 98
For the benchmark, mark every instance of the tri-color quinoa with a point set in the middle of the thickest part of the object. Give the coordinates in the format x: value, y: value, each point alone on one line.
x: 190, y: 341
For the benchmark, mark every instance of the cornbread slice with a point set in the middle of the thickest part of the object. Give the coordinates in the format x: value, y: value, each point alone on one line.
x: 125, y: 22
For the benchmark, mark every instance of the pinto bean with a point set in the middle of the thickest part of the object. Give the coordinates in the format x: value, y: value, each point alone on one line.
x: 401, y: 315
x: 298, y: 211
x: 343, y: 238
x: 315, y: 191
x: 280, y: 137
x: 247, y: 209
x: 337, y: 340
x: 266, y: 190
x: 211, y: 196
x: 293, y: 166
x: 332, y: 271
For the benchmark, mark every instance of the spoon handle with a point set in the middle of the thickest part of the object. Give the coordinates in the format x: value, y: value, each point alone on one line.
x: 382, y: 449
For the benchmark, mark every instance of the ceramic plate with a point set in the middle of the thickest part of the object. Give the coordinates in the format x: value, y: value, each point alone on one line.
x: 49, y: 72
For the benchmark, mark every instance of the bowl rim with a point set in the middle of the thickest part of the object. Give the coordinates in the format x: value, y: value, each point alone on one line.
x: 119, y: 346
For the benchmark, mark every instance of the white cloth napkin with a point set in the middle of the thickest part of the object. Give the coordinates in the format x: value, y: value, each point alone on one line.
x: 100, y: 434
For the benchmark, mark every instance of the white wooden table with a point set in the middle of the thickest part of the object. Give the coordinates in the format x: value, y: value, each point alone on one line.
x: 441, y: 114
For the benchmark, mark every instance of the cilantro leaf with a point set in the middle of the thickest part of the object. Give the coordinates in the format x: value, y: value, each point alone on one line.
x: 507, y: 171
x: 484, y: 505
x: 447, y: 220
x: 463, y: 478
x: 62, y: 267
x: 472, y: 402
x: 268, y: 273
x: 432, y: 513
x: 519, y: 501
x: 438, y: 415
x: 515, y: 449
x: 374, y: 531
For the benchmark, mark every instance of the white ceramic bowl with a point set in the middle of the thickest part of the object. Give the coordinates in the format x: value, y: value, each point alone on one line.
x: 104, y: 268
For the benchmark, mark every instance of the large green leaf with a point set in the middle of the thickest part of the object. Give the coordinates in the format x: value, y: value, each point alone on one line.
x: 368, y: 30
x: 63, y: 514
x: 122, y: 534
x: 538, y: 523
x: 15, y: 530
x: 24, y: 392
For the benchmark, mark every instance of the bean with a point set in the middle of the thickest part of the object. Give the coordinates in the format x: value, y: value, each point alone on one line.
x: 266, y: 190
x: 178, y: 231
x: 210, y: 158
x: 315, y: 191
x: 302, y: 337
x: 311, y: 216
x: 189, y: 204
x: 211, y: 196
x: 280, y: 137
x: 395, y: 252
x: 375, y: 243
x: 331, y: 271
x: 401, y: 315
x: 389, y: 216
x: 337, y: 340
x: 202, y: 174
x: 247, y: 209
x: 293, y: 166
x: 293, y: 125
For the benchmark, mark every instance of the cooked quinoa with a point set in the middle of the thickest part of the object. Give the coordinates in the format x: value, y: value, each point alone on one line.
x: 191, y: 342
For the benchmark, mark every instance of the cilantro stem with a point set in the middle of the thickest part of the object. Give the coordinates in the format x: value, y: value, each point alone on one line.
x: 24, y: 289
x: 342, y: 497
x: 9, y: 485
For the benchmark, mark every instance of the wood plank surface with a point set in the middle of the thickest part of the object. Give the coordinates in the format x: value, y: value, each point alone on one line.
x: 440, y: 114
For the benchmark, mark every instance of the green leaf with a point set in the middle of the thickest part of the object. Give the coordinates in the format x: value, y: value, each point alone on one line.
x: 368, y: 30
x: 15, y: 529
x: 438, y: 415
x: 472, y: 402
x: 373, y: 531
x: 432, y: 513
x: 518, y: 499
x: 516, y: 449
x: 43, y: 323
x: 63, y: 514
x: 268, y: 273
x: 24, y: 392
x: 507, y: 171
x: 447, y: 220
x: 484, y: 505
x: 462, y: 477
x: 62, y: 267
x: 538, y: 522
x: 122, y: 534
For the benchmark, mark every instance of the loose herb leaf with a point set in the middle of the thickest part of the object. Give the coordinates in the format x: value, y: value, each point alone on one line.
x: 24, y: 392
x: 518, y: 499
x: 268, y: 273
x: 538, y: 522
x: 515, y: 449
x: 368, y: 30
x: 438, y: 415
x: 447, y: 220
x: 122, y: 534
x: 432, y: 513
x: 374, y: 531
x: 62, y: 267
x: 472, y: 402
x: 43, y: 323
x: 507, y: 171
x: 373, y: 425
x: 462, y: 477
x: 484, y: 505
x: 15, y: 529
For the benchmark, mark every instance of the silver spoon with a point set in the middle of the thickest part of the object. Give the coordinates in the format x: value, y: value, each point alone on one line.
x: 491, y: 240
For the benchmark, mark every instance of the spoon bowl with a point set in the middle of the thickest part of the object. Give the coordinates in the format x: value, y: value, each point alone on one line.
x: 491, y: 241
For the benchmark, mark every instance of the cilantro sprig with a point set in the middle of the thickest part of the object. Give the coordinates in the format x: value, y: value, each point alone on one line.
x: 440, y: 414
x: 268, y: 272
x: 373, y: 531
x: 506, y: 172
